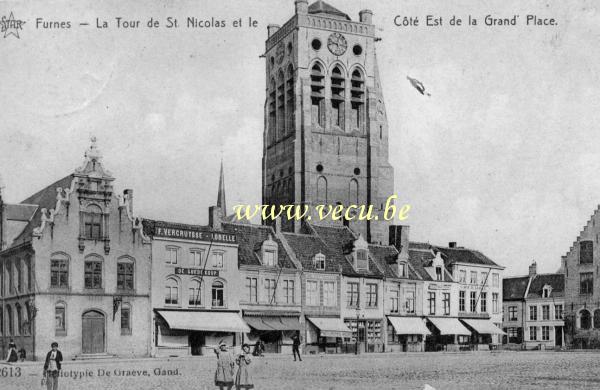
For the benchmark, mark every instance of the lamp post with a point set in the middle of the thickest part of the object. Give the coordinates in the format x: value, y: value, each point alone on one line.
x: 356, y: 338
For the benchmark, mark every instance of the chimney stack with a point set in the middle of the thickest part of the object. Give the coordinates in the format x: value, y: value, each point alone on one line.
x: 215, y: 217
x: 366, y: 16
x: 277, y: 225
x: 533, y: 269
x: 272, y: 29
x: 399, y: 239
x: 301, y: 6
x: 452, y: 244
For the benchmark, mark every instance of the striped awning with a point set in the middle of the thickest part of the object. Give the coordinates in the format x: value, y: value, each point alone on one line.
x: 204, y: 320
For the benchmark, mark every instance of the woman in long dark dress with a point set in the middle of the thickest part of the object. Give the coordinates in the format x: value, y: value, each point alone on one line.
x: 12, y: 352
x: 225, y: 365
x: 243, y: 380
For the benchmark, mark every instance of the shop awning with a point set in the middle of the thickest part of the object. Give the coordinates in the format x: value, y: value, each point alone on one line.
x: 408, y: 325
x: 483, y: 326
x: 204, y: 320
x: 448, y: 326
x: 270, y: 323
x: 331, y: 327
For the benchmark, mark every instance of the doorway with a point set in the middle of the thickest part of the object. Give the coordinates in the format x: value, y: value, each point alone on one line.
x: 558, y: 336
x: 196, y: 343
x: 93, y: 335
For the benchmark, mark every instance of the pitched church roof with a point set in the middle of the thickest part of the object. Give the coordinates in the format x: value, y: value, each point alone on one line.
x: 321, y: 7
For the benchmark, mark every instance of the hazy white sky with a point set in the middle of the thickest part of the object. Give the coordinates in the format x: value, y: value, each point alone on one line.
x: 502, y: 157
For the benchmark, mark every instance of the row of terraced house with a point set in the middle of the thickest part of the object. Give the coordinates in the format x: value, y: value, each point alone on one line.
x: 78, y: 267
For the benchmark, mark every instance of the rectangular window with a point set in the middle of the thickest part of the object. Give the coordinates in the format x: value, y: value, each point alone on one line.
x: 558, y: 312
x: 545, y: 312
x: 532, y: 313
x: 438, y: 273
x: 124, y: 276
x: 288, y: 291
x: 59, y: 316
x: 196, y: 258
x: 125, y: 320
x: 461, y: 301
x: 586, y: 252
x: 512, y: 313
x: 532, y: 333
x: 329, y: 294
x: 545, y: 333
x: 512, y: 333
x: 362, y: 259
x: 473, y: 277
x: 217, y: 259
x: 410, y: 301
x: 394, y: 301
x: 195, y: 291
x: 371, y: 295
x: 270, y: 291
x: 251, y: 288
x: 403, y: 270
x: 462, y: 276
x: 586, y: 283
x: 473, y: 306
x: 172, y: 254
x: 93, y: 274
x: 495, y: 303
x: 483, y: 298
x: 446, y: 301
x: 495, y: 280
x: 483, y: 278
x: 92, y: 226
x: 352, y: 294
x: 312, y: 293
x: 431, y: 300
x: 59, y: 273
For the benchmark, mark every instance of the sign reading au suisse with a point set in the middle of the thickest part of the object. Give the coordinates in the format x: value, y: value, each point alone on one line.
x: 189, y: 234
x: 196, y: 271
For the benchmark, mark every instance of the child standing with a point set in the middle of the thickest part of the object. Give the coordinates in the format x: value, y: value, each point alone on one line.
x: 243, y: 380
x: 225, y: 365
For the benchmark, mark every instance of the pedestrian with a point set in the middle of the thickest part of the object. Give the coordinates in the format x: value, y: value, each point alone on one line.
x: 22, y: 354
x: 52, y: 367
x: 12, y: 357
x: 296, y: 346
x: 243, y: 380
x: 259, y: 347
x: 225, y: 366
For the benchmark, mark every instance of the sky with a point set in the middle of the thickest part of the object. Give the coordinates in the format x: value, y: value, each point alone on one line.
x: 502, y: 157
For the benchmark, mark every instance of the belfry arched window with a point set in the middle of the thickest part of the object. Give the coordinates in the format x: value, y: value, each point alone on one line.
x: 357, y: 101
x: 290, y: 102
x: 353, y: 192
x: 337, y: 97
x: 272, y: 112
x: 317, y: 95
x: 280, y: 106
x: 321, y: 190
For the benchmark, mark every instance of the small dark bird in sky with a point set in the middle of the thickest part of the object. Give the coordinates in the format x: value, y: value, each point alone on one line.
x: 418, y: 86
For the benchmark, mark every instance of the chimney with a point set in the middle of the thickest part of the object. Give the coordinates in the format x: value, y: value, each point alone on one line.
x: 452, y: 244
x: 533, y: 269
x: 277, y: 225
x: 215, y: 217
x: 399, y: 239
x: 301, y: 6
x: 272, y: 29
x: 366, y: 16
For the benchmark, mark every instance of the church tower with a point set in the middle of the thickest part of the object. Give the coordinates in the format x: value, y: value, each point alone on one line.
x: 326, y: 132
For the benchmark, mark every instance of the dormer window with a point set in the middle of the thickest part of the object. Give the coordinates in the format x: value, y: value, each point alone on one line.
x: 438, y: 273
x: 269, y: 253
x: 546, y: 291
x: 402, y: 270
x: 319, y: 261
x: 362, y: 259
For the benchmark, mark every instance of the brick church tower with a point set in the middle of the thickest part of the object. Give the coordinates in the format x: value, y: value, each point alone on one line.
x: 326, y: 131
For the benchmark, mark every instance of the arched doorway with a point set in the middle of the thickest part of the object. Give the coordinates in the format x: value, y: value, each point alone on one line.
x: 93, y: 333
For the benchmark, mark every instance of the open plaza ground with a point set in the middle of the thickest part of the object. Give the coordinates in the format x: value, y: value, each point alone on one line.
x: 475, y: 370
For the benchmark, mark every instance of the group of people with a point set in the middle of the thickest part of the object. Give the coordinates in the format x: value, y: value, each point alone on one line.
x: 13, y: 355
x: 224, y: 376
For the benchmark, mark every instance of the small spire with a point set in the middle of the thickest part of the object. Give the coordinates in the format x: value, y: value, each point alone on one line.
x: 221, y: 196
x: 93, y: 153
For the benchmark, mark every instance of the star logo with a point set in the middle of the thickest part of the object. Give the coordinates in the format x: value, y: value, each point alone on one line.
x: 11, y: 26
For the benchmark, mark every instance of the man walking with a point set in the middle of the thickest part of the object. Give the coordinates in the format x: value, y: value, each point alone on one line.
x: 296, y: 347
x: 52, y: 367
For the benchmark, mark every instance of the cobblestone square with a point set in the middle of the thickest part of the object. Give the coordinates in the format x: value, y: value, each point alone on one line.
x: 502, y: 370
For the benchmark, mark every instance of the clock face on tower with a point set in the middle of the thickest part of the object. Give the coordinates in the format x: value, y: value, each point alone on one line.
x: 279, y: 53
x: 336, y: 43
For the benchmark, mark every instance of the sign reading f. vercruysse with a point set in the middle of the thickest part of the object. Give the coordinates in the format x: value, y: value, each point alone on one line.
x: 191, y: 234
